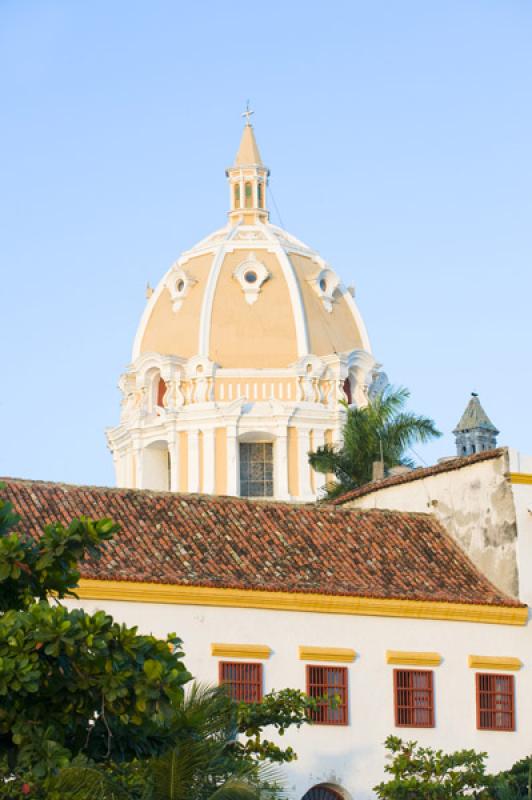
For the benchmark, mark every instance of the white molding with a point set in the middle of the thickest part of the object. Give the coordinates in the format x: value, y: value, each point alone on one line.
x: 208, y: 295
x: 179, y: 283
x: 298, y: 308
x: 366, y: 344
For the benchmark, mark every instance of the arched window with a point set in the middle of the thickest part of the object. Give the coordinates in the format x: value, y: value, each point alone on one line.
x: 161, y: 391
x: 322, y: 793
x: 237, y: 195
x: 248, y: 189
x: 347, y: 391
x: 260, y: 196
x: 256, y: 469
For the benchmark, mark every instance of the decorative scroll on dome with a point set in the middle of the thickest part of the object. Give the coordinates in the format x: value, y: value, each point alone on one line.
x: 179, y: 284
x: 325, y: 284
x: 251, y: 274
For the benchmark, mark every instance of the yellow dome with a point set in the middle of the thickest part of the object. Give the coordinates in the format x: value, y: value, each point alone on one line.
x: 250, y: 296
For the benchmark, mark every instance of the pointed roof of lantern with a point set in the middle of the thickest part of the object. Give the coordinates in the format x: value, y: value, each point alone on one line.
x: 248, y: 152
x: 475, y: 417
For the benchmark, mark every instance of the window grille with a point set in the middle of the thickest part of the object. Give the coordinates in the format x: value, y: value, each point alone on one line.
x: 329, y: 686
x: 242, y: 681
x: 237, y: 195
x: 256, y: 469
x: 414, y: 698
x: 495, y: 702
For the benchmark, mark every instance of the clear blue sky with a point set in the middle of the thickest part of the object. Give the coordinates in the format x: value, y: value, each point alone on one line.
x: 399, y: 137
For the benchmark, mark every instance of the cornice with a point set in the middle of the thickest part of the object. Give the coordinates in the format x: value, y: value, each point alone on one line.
x: 131, y: 591
x: 520, y: 477
x: 412, y: 657
x: 261, y: 651
x: 338, y: 654
x: 494, y: 662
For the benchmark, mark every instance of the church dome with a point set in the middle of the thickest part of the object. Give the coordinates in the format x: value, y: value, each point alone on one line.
x: 250, y: 295
x: 243, y: 360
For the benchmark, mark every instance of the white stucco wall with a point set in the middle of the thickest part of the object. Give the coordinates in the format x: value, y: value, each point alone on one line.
x: 352, y: 757
x: 476, y: 506
x: 522, y: 494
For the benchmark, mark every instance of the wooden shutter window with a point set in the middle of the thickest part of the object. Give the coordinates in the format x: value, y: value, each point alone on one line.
x: 495, y: 702
x: 243, y: 681
x: 329, y: 686
x: 414, y: 698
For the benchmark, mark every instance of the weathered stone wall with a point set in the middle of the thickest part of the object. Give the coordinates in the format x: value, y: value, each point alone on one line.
x: 475, y: 504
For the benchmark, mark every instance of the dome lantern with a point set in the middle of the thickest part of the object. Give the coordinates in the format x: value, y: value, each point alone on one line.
x: 248, y: 179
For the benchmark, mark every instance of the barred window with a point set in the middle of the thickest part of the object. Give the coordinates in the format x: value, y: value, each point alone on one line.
x: 495, y: 702
x: 329, y: 686
x: 243, y: 681
x: 256, y: 469
x: 414, y: 698
x: 248, y: 195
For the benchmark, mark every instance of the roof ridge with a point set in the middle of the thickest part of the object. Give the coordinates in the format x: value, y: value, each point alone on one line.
x: 449, y: 465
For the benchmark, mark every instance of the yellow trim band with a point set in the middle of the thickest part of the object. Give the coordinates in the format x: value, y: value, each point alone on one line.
x: 137, y: 592
x: 413, y: 657
x: 340, y: 654
x: 520, y: 477
x: 494, y: 662
x: 241, y: 650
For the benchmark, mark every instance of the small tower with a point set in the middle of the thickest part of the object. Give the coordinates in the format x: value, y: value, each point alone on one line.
x: 248, y: 178
x: 475, y: 432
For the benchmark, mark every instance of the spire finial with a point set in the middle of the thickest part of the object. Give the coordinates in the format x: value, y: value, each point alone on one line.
x: 248, y: 113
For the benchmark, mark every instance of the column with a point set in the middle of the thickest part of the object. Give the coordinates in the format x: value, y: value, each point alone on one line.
x: 208, y: 461
x: 303, y: 447
x: 320, y: 479
x: 193, y: 461
x: 173, y: 449
x: 139, y: 472
x: 233, y: 462
x: 280, y: 465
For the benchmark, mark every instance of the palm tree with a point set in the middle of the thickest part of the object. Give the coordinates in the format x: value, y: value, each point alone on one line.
x: 206, y: 763
x: 382, y: 430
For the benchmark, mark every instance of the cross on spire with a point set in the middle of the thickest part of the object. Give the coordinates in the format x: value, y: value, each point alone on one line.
x: 247, y: 113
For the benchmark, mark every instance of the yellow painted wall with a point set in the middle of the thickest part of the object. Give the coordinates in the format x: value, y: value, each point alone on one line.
x: 220, y: 464
x: 183, y: 461
x: 177, y: 332
x: 293, y: 470
x: 252, y: 336
x: 332, y: 332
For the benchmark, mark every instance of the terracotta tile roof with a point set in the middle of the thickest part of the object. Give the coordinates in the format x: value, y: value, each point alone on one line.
x: 416, y: 474
x: 201, y: 540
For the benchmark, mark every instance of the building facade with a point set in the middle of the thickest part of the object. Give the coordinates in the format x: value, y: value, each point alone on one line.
x: 242, y: 355
x: 378, y: 608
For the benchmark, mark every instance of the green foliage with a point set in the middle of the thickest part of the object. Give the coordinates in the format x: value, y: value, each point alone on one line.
x: 421, y: 773
x: 73, y: 683
x: 35, y: 569
x: 515, y: 783
x: 381, y: 424
x: 90, y: 708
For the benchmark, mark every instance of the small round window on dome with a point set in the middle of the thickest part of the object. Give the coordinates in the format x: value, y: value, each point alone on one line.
x: 250, y: 276
x: 180, y: 285
x: 323, y: 285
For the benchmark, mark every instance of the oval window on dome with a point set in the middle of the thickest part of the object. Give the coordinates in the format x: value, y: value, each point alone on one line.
x: 180, y: 285
x: 250, y: 276
x: 323, y: 285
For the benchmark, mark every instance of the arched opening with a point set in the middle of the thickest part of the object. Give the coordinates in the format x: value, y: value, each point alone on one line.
x: 248, y: 193
x: 347, y: 391
x: 237, y: 195
x: 161, y: 391
x: 260, y: 195
x: 323, y: 792
x: 156, y: 467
